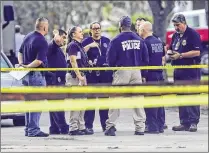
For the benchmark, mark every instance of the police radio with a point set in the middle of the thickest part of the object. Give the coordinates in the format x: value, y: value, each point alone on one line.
x: 170, y: 52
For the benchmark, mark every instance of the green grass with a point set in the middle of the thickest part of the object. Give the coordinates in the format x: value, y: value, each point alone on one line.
x: 204, y: 77
x: 170, y: 74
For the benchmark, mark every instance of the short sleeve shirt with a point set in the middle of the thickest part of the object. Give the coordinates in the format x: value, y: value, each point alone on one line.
x: 75, y: 48
x: 189, y: 41
x: 97, y: 53
x: 155, y: 50
x: 34, y: 47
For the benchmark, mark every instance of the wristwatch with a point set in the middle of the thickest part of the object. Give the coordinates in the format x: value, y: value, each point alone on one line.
x: 180, y: 56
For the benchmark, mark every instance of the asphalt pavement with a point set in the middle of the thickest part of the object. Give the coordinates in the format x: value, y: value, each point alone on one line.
x: 13, y: 139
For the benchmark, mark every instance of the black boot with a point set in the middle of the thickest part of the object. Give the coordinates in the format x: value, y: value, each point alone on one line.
x: 193, y: 128
x: 110, y: 132
x: 180, y: 128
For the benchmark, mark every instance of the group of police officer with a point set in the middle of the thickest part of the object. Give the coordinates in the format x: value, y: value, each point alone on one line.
x: 127, y: 49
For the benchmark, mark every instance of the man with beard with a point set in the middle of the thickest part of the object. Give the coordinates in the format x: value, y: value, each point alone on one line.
x: 185, y: 49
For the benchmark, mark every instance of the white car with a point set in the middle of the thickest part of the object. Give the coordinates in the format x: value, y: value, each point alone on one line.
x: 8, y: 81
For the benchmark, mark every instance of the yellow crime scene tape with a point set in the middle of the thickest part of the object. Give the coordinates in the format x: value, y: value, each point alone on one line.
x: 103, y: 103
x: 89, y: 104
x: 107, y: 68
x: 112, y: 89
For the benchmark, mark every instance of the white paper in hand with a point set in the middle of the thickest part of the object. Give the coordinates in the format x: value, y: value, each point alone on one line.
x: 18, y: 75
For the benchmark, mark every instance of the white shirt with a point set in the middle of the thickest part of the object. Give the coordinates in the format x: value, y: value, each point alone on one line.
x: 18, y: 42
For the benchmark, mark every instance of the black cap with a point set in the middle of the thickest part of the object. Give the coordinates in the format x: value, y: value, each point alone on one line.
x: 179, y: 18
x: 125, y: 21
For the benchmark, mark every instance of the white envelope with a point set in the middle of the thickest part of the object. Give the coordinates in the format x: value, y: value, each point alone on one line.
x: 18, y: 75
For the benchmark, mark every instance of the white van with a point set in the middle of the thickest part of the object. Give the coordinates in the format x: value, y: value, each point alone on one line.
x: 8, y: 81
x: 8, y: 29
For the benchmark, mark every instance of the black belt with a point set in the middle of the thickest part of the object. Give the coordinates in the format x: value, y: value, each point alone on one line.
x: 31, y: 73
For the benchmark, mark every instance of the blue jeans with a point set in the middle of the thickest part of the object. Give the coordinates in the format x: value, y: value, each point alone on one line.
x: 32, y: 118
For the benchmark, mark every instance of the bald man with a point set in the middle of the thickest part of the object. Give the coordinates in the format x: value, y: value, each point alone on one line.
x: 155, y: 116
x: 32, y: 54
x: 139, y: 21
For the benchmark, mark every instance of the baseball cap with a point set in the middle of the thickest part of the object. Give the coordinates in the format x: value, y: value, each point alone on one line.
x: 125, y: 21
x: 179, y: 18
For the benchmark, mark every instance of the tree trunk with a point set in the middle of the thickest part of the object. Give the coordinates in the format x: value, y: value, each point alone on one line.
x: 160, y: 14
x: 65, y: 21
x: 198, y: 5
x: 206, y: 10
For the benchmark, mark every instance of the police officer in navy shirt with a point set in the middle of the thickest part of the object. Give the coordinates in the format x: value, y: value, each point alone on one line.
x: 56, y: 59
x: 154, y: 116
x: 32, y: 54
x: 77, y: 59
x: 140, y: 21
x: 126, y: 50
x: 96, y: 48
x: 186, y: 47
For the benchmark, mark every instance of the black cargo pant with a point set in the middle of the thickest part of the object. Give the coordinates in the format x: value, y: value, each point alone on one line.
x: 155, y: 117
x: 57, y: 119
x: 188, y: 114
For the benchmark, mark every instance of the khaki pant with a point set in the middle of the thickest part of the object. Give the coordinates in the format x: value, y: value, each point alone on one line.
x: 139, y: 117
x: 76, y: 117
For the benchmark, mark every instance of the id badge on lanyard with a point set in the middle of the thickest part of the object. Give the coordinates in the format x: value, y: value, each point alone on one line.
x: 99, y: 46
x: 100, y: 54
x: 178, y: 44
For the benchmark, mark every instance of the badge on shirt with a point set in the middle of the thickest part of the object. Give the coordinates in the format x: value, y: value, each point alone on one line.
x: 79, y: 55
x: 105, y: 45
x: 97, y: 73
x: 59, y: 79
x: 184, y: 42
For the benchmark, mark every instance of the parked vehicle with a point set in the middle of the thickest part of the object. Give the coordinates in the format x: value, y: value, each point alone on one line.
x: 8, y: 81
x: 196, y: 19
x: 7, y: 30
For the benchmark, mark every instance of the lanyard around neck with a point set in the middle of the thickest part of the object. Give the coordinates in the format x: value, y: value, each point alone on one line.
x: 99, y: 46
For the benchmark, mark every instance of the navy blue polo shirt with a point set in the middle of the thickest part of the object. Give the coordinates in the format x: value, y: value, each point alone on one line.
x: 159, y: 39
x: 97, y: 53
x: 127, y: 49
x: 155, y: 51
x: 188, y: 42
x: 34, y: 47
x: 56, y: 58
x: 75, y: 48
